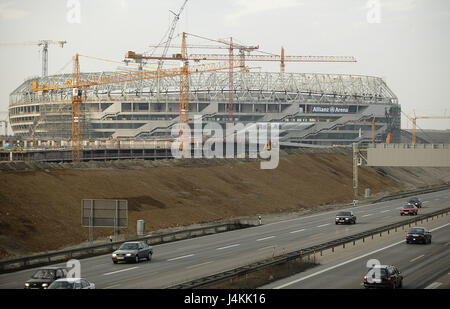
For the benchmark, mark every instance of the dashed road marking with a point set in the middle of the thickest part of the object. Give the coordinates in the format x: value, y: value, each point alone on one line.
x: 180, y: 257
x: 297, y: 231
x: 416, y: 258
x: 265, y: 238
x: 230, y: 246
x: 268, y: 247
x: 111, y: 286
x: 198, y: 265
x: 434, y: 285
x: 323, y: 225
x: 119, y: 271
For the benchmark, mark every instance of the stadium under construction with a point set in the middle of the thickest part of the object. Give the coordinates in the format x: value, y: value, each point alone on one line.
x: 310, y: 109
x: 86, y: 110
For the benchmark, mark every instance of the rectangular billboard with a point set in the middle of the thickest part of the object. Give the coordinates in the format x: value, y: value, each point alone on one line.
x: 104, y: 213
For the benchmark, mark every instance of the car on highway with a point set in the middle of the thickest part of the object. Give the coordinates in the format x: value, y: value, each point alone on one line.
x: 346, y: 217
x: 132, y: 251
x: 71, y: 283
x: 416, y: 202
x: 383, y: 276
x: 409, y: 209
x: 43, y: 277
x: 418, y: 235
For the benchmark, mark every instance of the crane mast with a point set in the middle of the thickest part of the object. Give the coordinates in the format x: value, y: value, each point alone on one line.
x: 172, y: 30
x: 77, y: 84
x: 414, y: 124
x: 77, y: 150
x: 44, y: 44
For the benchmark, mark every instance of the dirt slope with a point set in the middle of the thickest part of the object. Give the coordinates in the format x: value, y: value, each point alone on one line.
x: 40, y: 210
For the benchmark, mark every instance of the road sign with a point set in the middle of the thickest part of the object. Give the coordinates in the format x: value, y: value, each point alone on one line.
x: 104, y: 213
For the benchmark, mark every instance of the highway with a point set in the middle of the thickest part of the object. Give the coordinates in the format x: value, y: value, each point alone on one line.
x: 185, y: 260
x: 422, y: 266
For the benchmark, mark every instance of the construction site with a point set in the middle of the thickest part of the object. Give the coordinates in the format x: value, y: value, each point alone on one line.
x: 82, y: 116
x: 70, y: 132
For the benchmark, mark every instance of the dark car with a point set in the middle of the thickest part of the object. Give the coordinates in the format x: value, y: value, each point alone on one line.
x: 409, y: 209
x: 416, y: 202
x: 42, y: 278
x: 383, y: 276
x: 71, y: 283
x: 132, y: 251
x: 346, y: 217
x: 418, y: 235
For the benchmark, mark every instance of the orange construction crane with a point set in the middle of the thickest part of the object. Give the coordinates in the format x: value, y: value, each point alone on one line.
x: 269, y: 57
x: 414, y: 121
x: 282, y: 58
x: 185, y: 57
x: 242, y: 58
x: 368, y: 122
x: 77, y: 84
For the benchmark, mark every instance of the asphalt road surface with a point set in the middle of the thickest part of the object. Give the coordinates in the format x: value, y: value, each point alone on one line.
x: 422, y: 266
x: 185, y: 260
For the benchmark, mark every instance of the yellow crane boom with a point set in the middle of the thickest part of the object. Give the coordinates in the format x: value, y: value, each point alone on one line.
x: 414, y: 122
x: 77, y: 84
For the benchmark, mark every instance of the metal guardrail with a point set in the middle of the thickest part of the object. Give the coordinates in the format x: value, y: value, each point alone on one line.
x: 59, y: 256
x: 54, y: 257
x: 240, y: 271
x: 411, y: 193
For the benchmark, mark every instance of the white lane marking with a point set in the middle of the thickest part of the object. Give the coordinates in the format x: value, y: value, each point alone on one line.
x: 180, y: 257
x: 367, y: 215
x: 297, y: 231
x: 265, y: 238
x: 198, y: 265
x: 333, y: 211
x: 119, y: 271
x: 336, y: 266
x: 439, y: 227
x: 230, y: 246
x: 416, y: 258
x: 385, y: 211
x: 268, y: 247
x: 349, y: 261
x: 111, y: 286
x: 323, y: 225
x: 434, y: 285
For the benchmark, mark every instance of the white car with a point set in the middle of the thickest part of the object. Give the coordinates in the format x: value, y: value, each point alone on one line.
x: 71, y: 283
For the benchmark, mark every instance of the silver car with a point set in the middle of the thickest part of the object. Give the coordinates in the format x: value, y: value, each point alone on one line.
x: 132, y: 251
x: 72, y: 283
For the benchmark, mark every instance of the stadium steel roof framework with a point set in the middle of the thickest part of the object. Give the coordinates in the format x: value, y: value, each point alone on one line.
x: 207, y: 87
x: 372, y: 89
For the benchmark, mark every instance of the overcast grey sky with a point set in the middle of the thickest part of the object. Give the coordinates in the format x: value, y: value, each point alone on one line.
x: 406, y: 42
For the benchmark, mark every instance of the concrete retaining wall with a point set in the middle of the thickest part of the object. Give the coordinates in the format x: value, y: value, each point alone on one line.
x: 423, y: 155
